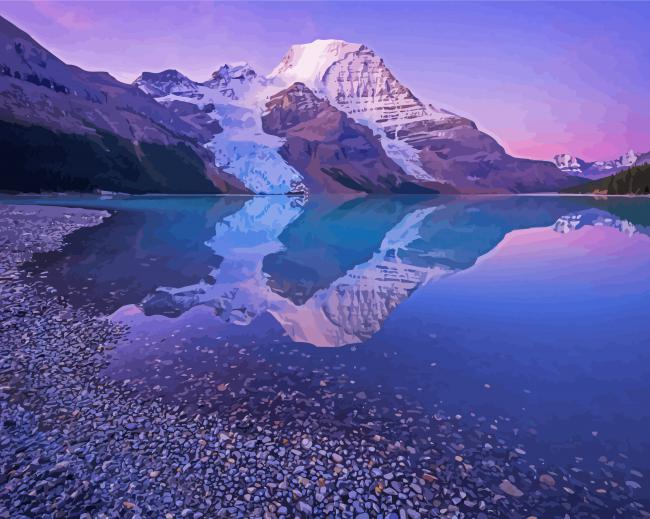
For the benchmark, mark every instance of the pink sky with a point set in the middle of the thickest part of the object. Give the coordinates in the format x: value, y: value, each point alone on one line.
x: 541, y: 78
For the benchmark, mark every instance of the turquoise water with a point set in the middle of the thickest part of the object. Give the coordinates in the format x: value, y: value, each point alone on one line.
x: 529, y: 310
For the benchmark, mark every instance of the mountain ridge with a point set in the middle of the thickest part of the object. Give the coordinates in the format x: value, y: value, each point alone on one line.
x: 168, y: 133
x: 64, y: 128
x: 599, y: 168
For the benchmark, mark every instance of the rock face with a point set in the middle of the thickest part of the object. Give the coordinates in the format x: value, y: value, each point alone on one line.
x: 428, y: 142
x: 166, y: 82
x: 200, y: 119
x: 230, y: 79
x: 63, y: 128
x: 599, y: 169
x: 336, y: 153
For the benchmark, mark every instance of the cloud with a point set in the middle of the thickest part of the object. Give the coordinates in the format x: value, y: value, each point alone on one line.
x: 67, y: 15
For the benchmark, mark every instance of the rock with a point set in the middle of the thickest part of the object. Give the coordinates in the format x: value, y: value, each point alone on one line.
x: 510, y: 489
x: 548, y: 480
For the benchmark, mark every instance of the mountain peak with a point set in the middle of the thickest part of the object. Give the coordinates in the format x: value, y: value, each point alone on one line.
x: 569, y: 163
x: 233, y: 80
x: 575, y: 165
x: 308, y: 62
x: 231, y: 71
x: 169, y: 73
x: 627, y: 159
x: 169, y: 81
x: 630, y: 157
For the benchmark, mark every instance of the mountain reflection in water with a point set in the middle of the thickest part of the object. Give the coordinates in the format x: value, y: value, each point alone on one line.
x: 330, y: 272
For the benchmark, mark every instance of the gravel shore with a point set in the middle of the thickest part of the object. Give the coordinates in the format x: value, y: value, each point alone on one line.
x: 76, y: 443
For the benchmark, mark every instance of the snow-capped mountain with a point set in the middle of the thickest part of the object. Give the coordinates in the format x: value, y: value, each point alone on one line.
x: 423, y: 148
x: 257, y: 143
x: 357, y: 82
x: 429, y: 143
x: 570, y: 164
x: 598, y: 169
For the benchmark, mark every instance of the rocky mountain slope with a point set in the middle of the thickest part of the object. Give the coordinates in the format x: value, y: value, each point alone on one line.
x: 63, y: 128
x: 599, y: 169
x: 336, y: 153
x: 632, y: 181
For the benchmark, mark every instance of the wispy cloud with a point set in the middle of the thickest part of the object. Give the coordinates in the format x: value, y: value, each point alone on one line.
x: 70, y: 15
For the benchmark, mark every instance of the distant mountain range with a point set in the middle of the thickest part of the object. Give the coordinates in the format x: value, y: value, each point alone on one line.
x: 331, y: 117
x: 599, y: 169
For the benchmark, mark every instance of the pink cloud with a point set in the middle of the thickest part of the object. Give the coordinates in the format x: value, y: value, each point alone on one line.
x: 67, y: 15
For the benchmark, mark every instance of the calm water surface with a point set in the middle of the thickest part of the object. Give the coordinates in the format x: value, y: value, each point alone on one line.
x: 530, y: 311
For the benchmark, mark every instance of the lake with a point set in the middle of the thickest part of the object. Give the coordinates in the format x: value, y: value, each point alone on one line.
x: 526, y: 313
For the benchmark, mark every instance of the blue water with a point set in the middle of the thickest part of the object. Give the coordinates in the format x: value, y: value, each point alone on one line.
x: 530, y: 311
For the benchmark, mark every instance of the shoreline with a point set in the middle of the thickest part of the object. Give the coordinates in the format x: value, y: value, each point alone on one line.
x: 125, y: 196
x: 76, y: 443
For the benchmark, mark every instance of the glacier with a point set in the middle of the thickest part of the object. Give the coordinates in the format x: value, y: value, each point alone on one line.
x: 236, y: 97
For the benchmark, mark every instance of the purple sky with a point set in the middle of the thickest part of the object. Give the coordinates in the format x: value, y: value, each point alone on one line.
x: 542, y: 78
